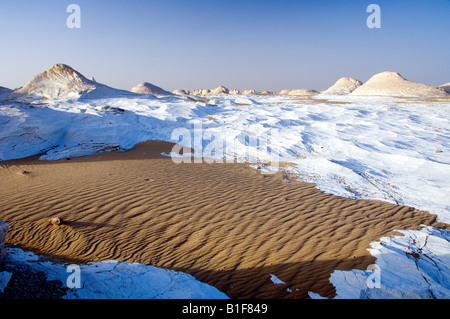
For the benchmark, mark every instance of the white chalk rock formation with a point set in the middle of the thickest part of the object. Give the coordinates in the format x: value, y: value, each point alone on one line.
x: 249, y: 92
x: 148, y: 88
x: 343, y: 86
x: 62, y: 82
x: 303, y: 92
x: 284, y: 92
x: 393, y: 84
x: 235, y: 92
x: 180, y: 92
x: 58, y: 81
x: 219, y: 90
x: 446, y: 87
x: 3, y: 232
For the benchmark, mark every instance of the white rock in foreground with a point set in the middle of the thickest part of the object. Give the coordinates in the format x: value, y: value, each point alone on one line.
x: 276, y: 280
x: 393, y: 84
x: 5, y: 276
x: 343, y: 86
x: 416, y: 265
x: 118, y: 280
x: 3, y: 231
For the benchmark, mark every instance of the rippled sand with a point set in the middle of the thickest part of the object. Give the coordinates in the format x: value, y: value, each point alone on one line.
x: 227, y: 224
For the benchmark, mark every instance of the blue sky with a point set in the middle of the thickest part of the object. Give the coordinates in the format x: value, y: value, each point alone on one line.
x: 264, y: 45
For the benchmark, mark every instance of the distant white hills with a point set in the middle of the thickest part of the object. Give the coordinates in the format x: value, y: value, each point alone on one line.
x: 148, y: 88
x: 61, y: 81
x: 446, y: 87
x: 4, y: 91
x: 343, y: 86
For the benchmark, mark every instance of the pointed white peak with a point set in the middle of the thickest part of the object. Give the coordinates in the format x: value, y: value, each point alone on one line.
x: 343, y: 86
x: 393, y: 84
x: 148, y: 88
x: 58, y: 81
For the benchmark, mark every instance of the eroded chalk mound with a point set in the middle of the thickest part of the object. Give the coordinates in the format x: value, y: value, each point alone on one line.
x: 180, y: 92
x: 219, y: 90
x: 284, y: 92
x: 343, y: 86
x: 446, y: 87
x: 58, y: 81
x: 393, y: 84
x: 249, y: 92
x: 302, y: 92
x: 148, y: 88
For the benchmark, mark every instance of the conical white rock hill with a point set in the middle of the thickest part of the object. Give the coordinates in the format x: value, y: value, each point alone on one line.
x: 58, y: 81
x: 148, y: 88
x: 343, y: 86
x: 393, y: 84
x: 62, y: 82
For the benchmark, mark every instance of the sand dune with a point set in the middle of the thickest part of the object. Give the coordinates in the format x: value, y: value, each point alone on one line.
x: 393, y: 84
x: 227, y: 224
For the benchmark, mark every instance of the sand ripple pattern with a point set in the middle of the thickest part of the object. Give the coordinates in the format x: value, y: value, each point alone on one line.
x: 227, y: 224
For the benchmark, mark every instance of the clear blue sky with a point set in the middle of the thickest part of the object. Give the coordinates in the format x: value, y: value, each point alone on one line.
x: 189, y: 44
